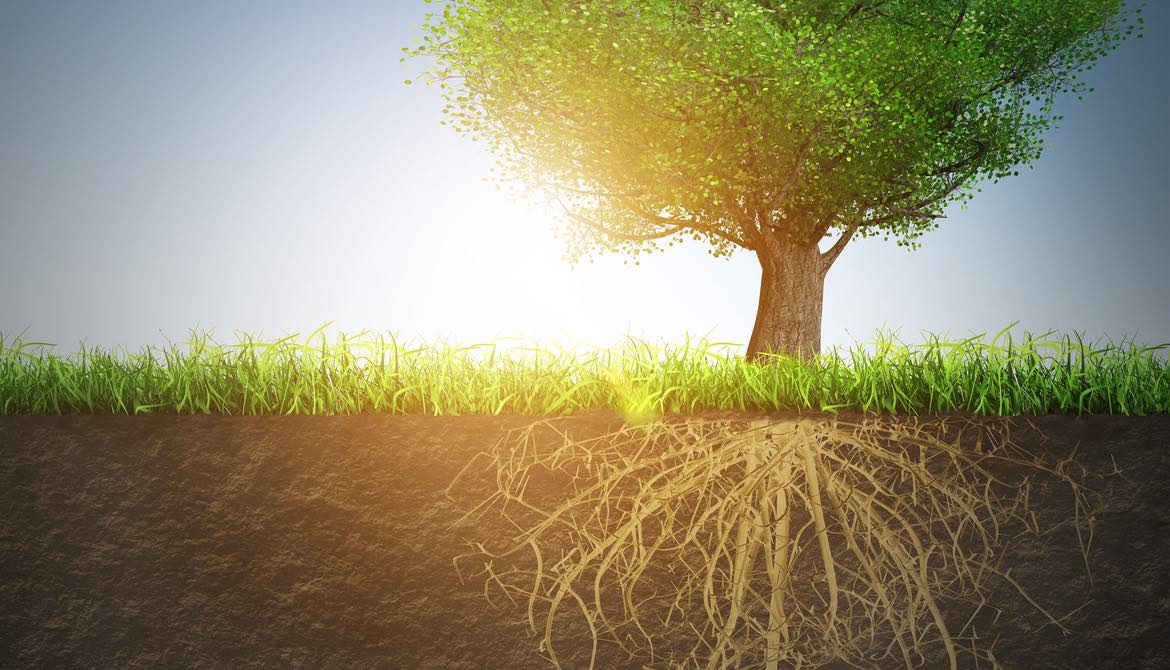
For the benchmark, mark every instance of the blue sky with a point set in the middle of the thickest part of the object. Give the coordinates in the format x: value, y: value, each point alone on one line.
x: 260, y: 168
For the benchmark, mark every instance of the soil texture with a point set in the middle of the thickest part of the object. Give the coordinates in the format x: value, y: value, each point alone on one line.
x: 211, y: 541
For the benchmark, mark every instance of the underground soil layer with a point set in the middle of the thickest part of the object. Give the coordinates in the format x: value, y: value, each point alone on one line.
x: 212, y: 541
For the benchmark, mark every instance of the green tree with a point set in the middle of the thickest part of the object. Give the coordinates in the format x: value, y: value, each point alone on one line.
x: 762, y: 124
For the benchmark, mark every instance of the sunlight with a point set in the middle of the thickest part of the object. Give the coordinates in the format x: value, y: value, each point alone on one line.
x: 503, y: 266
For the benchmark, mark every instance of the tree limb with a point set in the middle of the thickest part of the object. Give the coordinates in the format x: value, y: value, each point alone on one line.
x: 681, y: 224
x: 958, y: 22
x: 857, y: 7
x: 675, y: 225
x: 980, y: 152
x: 613, y: 233
x: 753, y: 236
x: 826, y: 222
x: 914, y: 213
x: 581, y: 191
x: 794, y: 174
x: 830, y: 256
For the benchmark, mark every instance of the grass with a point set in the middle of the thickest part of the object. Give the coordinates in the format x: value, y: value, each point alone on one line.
x: 794, y: 543
x: 1038, y: 375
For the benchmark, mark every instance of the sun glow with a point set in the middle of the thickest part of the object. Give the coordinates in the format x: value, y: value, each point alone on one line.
x: 502, y: 265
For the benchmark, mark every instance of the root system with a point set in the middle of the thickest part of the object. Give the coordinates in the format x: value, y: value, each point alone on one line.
x: 782, y: 544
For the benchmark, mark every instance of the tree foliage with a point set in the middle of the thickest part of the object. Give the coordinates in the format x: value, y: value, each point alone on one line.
x: 731, y: 120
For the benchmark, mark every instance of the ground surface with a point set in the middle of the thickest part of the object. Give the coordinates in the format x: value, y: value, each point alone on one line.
x: 326, y: 542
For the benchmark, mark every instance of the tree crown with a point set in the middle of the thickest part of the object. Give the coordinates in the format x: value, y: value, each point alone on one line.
x: 737, y: 121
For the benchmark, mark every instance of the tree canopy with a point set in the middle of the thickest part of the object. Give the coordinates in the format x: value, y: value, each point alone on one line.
x: 731, y: 120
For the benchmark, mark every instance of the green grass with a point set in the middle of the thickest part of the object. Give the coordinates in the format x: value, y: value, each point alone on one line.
x: 1038, y: 375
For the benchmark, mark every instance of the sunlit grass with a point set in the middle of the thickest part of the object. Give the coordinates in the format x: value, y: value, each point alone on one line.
x: 384, y: 375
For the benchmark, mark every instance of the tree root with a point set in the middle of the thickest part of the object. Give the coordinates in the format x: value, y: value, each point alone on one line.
x: 791, y: 543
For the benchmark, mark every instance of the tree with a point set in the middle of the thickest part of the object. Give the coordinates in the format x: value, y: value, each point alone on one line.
x: 765, y: 125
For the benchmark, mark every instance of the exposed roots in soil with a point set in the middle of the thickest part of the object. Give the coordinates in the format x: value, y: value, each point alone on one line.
x: 786, y: 544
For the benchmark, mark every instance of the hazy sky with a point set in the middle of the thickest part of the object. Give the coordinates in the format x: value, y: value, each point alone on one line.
x: 260, y: 167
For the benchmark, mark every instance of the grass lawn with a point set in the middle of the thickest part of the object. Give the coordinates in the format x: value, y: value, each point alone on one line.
x: 378, y: 505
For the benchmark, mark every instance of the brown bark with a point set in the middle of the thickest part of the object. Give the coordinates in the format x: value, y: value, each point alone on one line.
x: 788, y: 317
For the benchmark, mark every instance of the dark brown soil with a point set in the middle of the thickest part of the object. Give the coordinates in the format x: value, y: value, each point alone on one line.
x: 327, y: 542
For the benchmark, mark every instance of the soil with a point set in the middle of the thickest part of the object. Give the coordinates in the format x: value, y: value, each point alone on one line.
x: 210, y: 541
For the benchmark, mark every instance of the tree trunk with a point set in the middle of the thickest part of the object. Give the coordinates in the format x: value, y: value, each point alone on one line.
x: 792, y: 286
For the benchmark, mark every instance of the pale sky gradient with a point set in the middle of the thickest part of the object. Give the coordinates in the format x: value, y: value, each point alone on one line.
x: 259, y: 167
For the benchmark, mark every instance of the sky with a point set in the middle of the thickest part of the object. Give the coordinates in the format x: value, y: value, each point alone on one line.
x: 261, y: 169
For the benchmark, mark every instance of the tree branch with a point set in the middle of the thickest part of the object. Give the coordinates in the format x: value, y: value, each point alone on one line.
x: 914, y: 213
x: 857, y: 7
x: 826, y: 222
x: 581, y: 191
x: 640, y: 210
x: 613, y: 233
x: 980, y: 152
x: 830, y: 256
x: 676, y: 225
x: 751, y: 233
x: 958, y: 22
x: 794, y: 174
x: 913, y: 210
